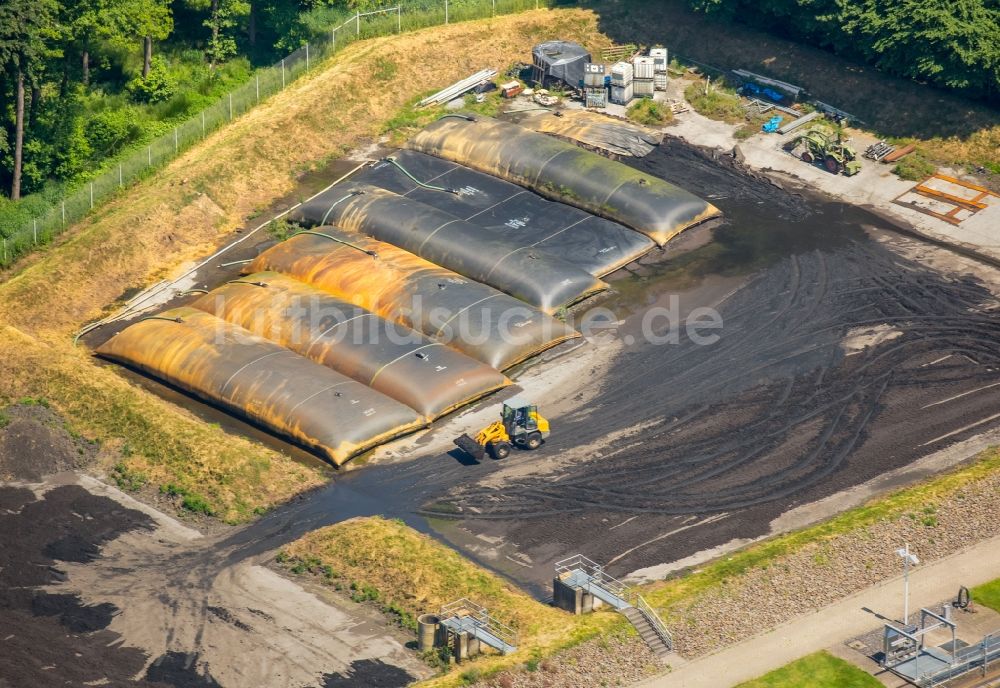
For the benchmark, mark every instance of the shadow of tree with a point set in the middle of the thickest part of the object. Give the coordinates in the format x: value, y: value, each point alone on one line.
x: 890, y: 105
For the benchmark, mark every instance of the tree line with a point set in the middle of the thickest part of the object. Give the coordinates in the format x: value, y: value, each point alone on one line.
x: 81, y: 80
x: 953, y: 44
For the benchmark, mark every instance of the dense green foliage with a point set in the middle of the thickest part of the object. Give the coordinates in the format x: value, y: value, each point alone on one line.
x: 101, y: 77
x: 949, y: 43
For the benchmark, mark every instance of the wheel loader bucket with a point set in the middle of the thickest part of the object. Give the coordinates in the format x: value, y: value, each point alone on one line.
x: 471, y: 447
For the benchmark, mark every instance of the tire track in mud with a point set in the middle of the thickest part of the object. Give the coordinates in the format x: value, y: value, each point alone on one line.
x: 781, y: 410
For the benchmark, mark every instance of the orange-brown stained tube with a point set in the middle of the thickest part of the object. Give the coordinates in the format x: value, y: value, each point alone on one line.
x: 242, y: 373
x: 480, y: 321
x: 427, y: 376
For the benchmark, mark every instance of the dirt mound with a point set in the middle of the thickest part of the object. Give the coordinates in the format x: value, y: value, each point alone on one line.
x: 52, y: 638
x: 34, y: 443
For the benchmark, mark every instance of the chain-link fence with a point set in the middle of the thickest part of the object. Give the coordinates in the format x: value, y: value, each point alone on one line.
x: 267, y: 81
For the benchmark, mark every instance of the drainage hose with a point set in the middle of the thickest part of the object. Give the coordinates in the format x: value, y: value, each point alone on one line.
x: 339, y: 241
x: 395, y: 163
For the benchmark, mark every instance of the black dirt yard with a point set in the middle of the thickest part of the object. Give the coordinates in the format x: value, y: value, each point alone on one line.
x: 847, y: 351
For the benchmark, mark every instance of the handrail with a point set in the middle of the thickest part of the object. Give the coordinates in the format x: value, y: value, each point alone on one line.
x: 655, y: 621
x: 481, y: 615
x: 596, y: 572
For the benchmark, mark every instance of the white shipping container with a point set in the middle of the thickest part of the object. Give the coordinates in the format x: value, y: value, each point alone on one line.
x: 645, y: 67
x: 659, y: 56
x: 621, y: 74
x: 642, y: 88
x: 621, y: 94
x: 660, y: 81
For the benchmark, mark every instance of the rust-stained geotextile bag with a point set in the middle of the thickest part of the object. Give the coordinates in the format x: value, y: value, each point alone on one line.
x: 426, y: 375
x: 244, y: 374
x: 478, y: 320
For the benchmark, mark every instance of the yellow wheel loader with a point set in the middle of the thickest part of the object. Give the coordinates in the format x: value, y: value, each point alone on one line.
x: 520, y: 425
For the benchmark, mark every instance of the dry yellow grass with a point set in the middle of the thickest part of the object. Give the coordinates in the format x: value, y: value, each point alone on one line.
x: 186, y: 211
x: 412, y: 574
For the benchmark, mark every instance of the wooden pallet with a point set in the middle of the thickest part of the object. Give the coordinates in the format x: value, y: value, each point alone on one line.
x: 618, y: 53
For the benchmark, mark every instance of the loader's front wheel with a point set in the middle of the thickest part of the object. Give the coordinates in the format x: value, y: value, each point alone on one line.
x: 533, y: 441
x: 499, y: 450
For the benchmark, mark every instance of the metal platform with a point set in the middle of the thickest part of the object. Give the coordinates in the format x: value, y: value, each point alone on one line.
x: 580, y: 573
x: 595, y: 585
x: 465, y: 616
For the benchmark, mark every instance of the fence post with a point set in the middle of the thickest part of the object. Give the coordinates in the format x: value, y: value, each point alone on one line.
x: 494, y: 8
x: 5, y: 249
x: 399, y: 18
x: 307, y: 57
x: 203, y: 124
x: 64, y: 212
x: 121, y: 182
x: 357, y: 23
x: 282, y: 72
x: 445, y: 11
x: 257, y: 80
x: 149, y: 156
x: 176, y: 145
x: 34, y: 230
x: 91, y: 195
x: 230, y: 107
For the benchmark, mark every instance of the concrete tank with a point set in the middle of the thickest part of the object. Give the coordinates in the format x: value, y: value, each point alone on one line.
x: 427, y: 625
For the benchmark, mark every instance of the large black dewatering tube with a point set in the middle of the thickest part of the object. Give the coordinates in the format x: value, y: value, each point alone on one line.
x: 534, y: 275
x: 514, y: 213
x: 567, y: 173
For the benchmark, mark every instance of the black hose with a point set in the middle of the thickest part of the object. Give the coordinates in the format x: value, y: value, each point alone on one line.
x: 339, y: 241
x: 162, y: 317
x: 338, y: 202
x: 395, y: 163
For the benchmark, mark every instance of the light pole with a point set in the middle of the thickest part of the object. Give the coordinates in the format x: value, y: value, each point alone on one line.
x: 909, y: 559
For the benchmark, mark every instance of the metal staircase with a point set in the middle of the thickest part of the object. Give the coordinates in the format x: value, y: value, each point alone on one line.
x: 581, y: 573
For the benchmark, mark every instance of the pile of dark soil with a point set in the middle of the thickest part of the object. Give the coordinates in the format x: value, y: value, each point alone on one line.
x: 34, y: 443
x: 53, y: 639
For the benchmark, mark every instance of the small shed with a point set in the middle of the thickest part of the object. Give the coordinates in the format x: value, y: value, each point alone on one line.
x: 559, y: 61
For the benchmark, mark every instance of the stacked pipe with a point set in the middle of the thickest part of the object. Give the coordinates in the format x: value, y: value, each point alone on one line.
x: 460, y: 87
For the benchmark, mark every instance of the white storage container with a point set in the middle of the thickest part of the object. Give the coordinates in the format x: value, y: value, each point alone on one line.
x: 642, y: 88
x: 621, y: 95
x: 659, y: 56
x: 621, y: 74
x: 597, y: 98
x: 644, y: 67
x: 660, y: 81
x: 593, y: 75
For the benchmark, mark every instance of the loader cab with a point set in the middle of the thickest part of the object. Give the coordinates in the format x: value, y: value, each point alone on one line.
x: 524, y: 426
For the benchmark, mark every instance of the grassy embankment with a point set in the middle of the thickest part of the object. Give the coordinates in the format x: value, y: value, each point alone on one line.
x: 186, y: 211
x: 407, y: 574
x: 987, y: 594
x: 948, y: 130
x: 820, y: 670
